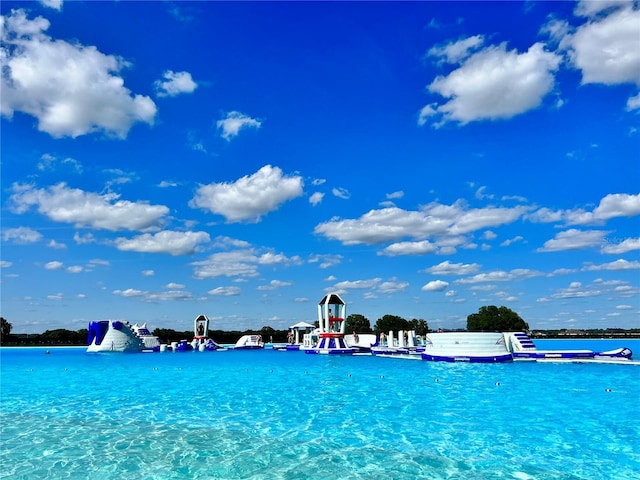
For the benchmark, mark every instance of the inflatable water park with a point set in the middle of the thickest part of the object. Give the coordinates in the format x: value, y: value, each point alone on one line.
x: 330, y: 337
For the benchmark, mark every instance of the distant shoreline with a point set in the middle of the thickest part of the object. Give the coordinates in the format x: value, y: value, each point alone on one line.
x: 619, y: 336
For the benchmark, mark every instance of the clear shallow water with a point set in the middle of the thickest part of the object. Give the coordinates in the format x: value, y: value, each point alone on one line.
x: 287, y: 415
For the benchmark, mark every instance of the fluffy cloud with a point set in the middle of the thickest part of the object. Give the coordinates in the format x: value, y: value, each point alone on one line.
x: 166, y: 241
x: 316, y: 198
x: 154, y: 297
x: 392, y: 286
x: 225, y: 291
x: 409, y: 248
x: 605, y: 49
x: 250, y: 197
x: 70, y: 89
x: 490, y: 84
x: 55, y: 4
x: 274, y: 284
x: 574, y: 239
x: 627, y: 245
x: 617, y: 265
x: 611, y: 206
x: 68, y: 205
x: 175, y: 83
x: 243, y: 262
x: 501, y: 276
x: 21, y: 235
x: 234, y: 122
x: 458, y: 51
x: 435, y: 286
x: 435, y: 219
x: 448, y: 268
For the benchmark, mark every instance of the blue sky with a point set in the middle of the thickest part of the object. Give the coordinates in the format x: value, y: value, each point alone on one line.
x: 161, y: 160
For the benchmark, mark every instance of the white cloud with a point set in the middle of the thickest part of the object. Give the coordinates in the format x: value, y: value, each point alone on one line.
x: 50, y: 162
x: 633, y: 103
x: 545, y: 215
x: 392, y: 286
x: 56, y: 245
x: 574, y: 239
x: 242, y: 262
x: 316, y: 198
x: 448, y: 268
x: 409, y: 248
x: 166, y: 241
x: 234, y: 122
x: 556, y: 29
x: 613, y: 205
x: 154, y: 297
x: 617, y: 265
x: 493, y: 84
x: 71, y: 89
x: 175, y: 83
x: 55, y: 265
x: 391, y: 224
x: 617, y: 205
x: 627, y: 245
x: 63, y: 204
x: 511, y: 241
x: 501, y: 276
x: 225, y: 291
x: 342, y: 193
x: 83, y: 239
x: 274, y: 284
x: 606, y: 49
x: 435, y: 286
x: 21, y: 235
x: 326, y: 261
x: 576, y: 290
x: 591, y: 8
x: 457, y: 51
x: 250, y: 197
x: 394, y: 195
x: 55, y: 4
x: 358, y: 284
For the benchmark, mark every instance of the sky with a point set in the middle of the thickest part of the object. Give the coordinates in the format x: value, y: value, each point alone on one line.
x: 162, y: 160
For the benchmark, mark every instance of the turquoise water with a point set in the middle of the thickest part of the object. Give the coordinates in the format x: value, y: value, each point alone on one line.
x: 288, y: 415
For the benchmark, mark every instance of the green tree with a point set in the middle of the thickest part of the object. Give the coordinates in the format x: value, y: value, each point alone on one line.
x: 169, y: 335
x: 357, y: 323
x: 268, y: 333
x: 420, y: 326
x: 390, y: 322
x: 494, y: 319
x: 62, y: 336
x: 5, y: 330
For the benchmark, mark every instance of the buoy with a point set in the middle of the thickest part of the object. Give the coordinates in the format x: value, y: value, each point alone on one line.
x: 436, y: 380
x: 497, y: 384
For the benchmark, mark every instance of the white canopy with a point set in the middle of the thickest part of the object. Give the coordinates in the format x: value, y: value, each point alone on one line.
x: 302, y: 325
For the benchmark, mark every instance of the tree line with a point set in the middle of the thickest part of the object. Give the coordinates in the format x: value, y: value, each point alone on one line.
x: 487, y: 319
